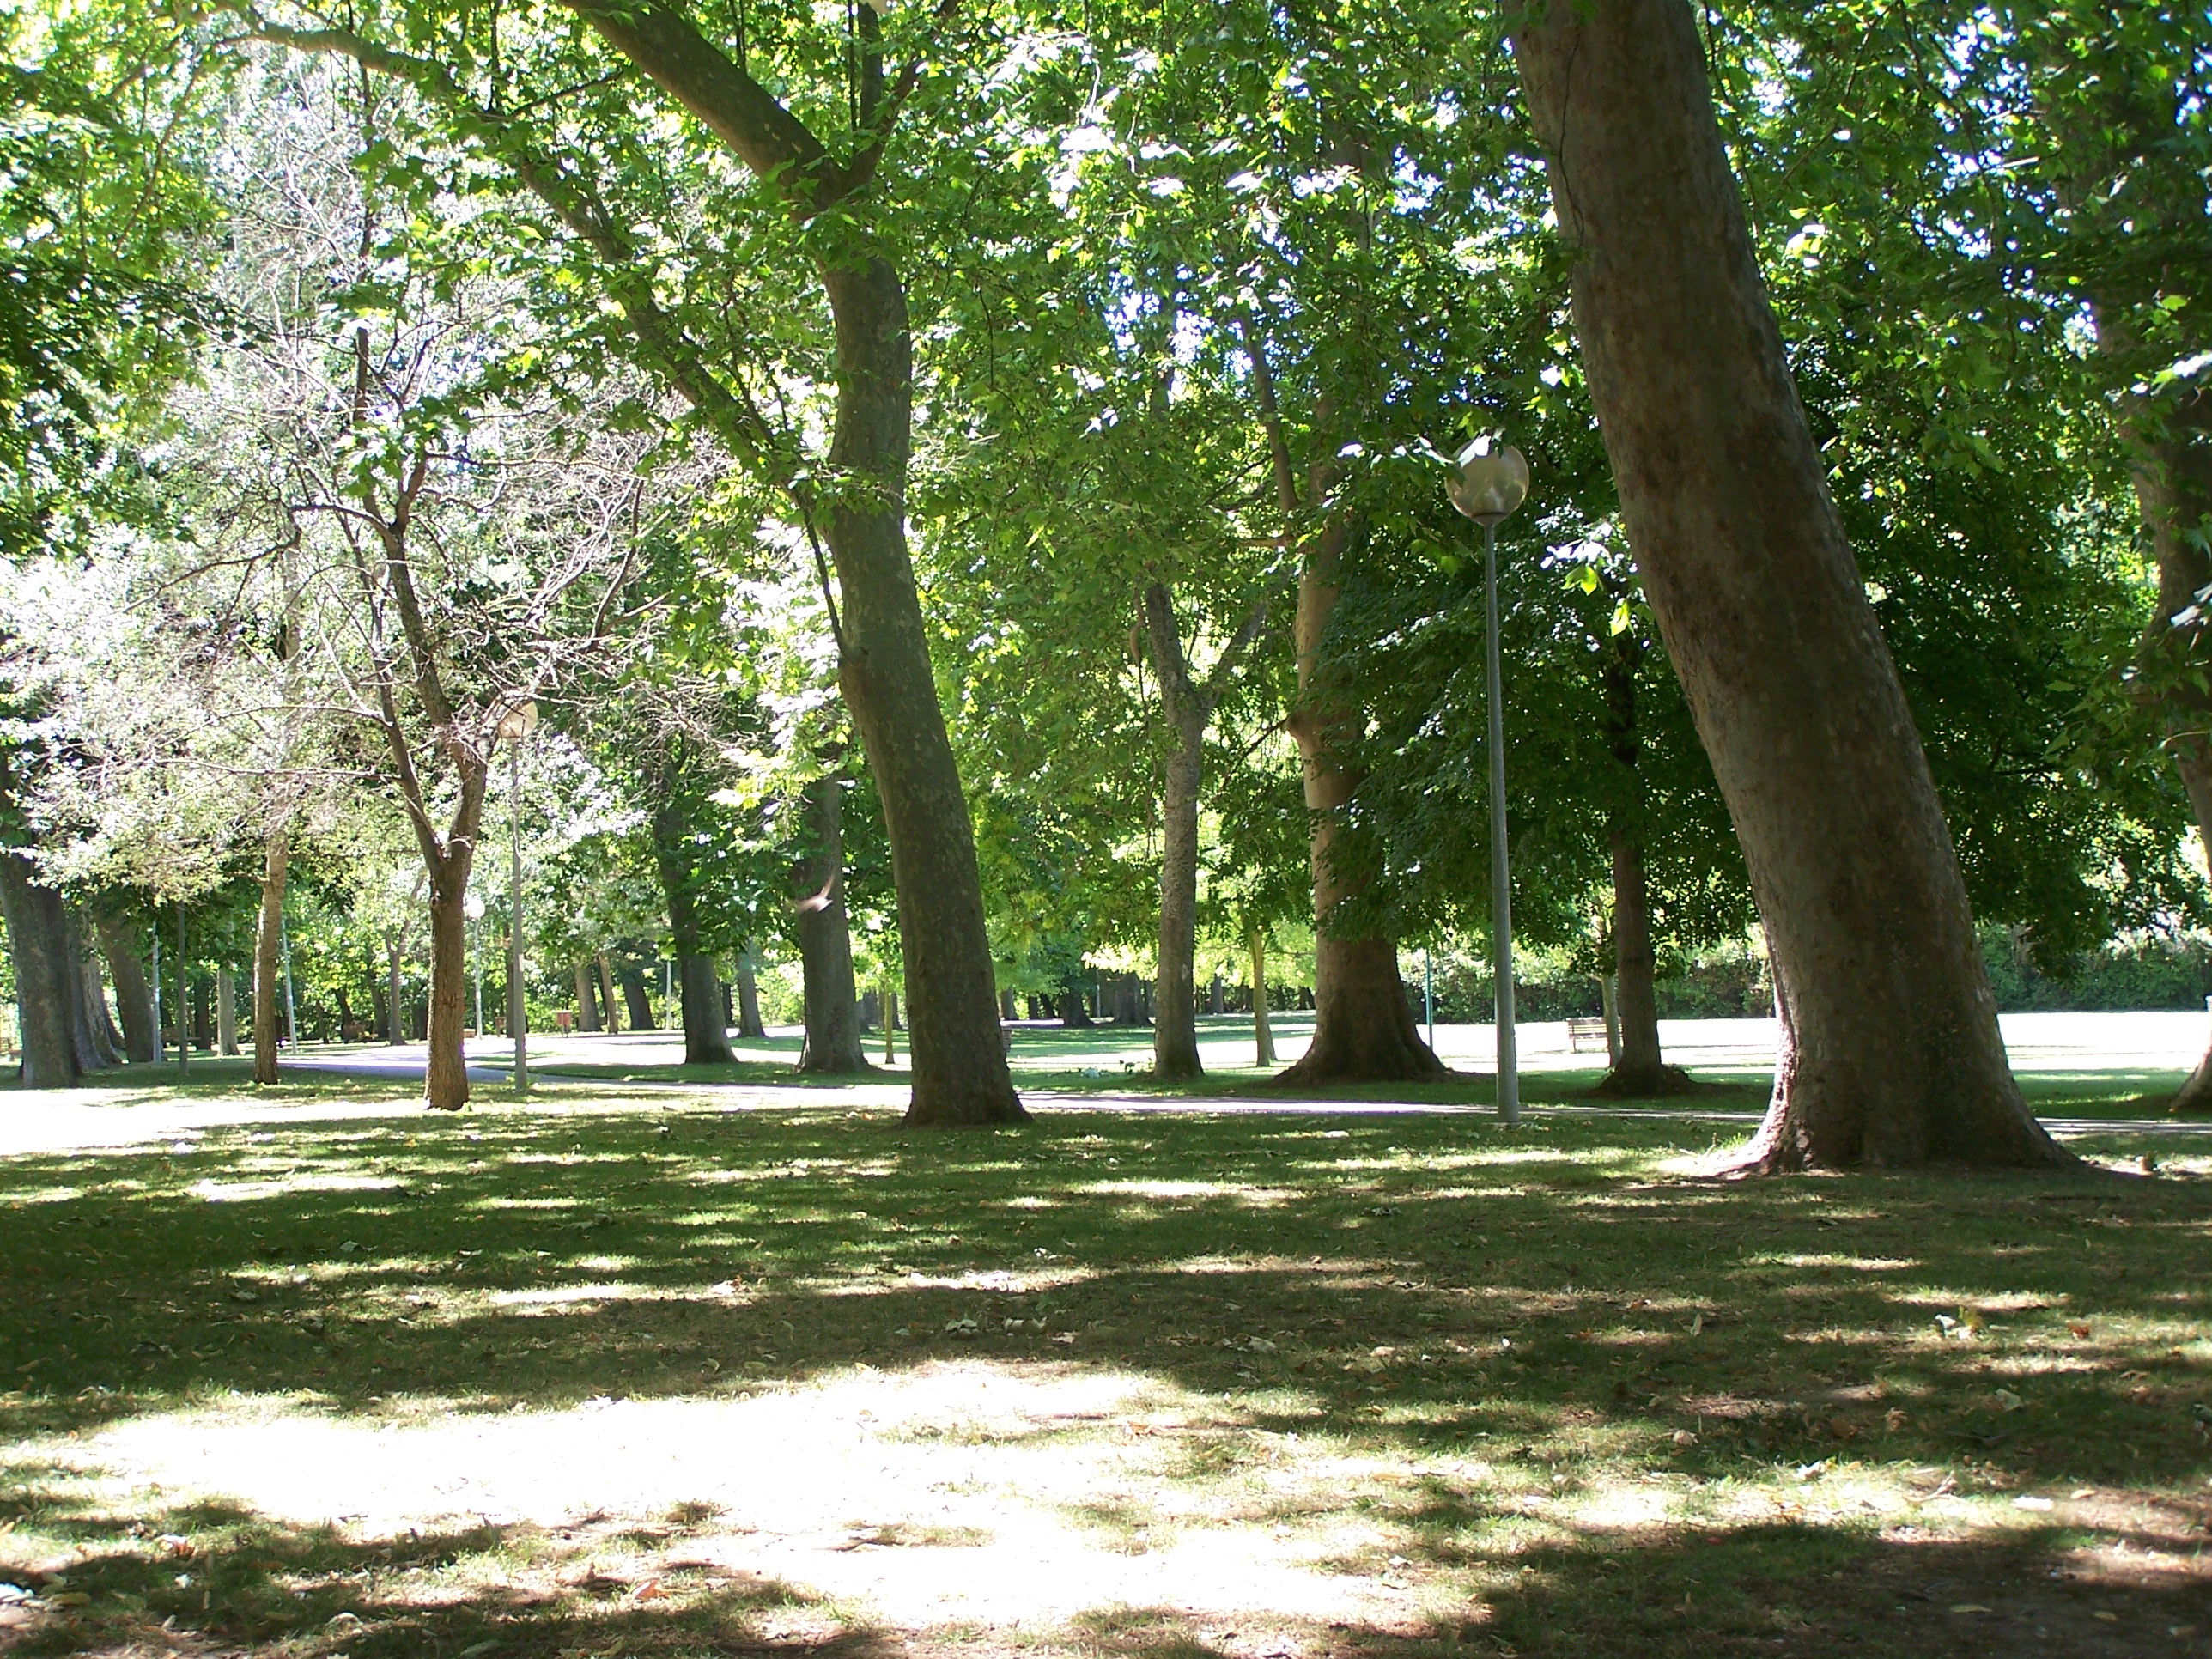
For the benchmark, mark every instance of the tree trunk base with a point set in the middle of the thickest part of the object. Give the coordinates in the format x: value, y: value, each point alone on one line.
x: 1372, y: 1056
x: 964, y: 1109
x: 1177, y: 1067
x: 2011, y: 1139
x: 1646, y: 1082
x: 2194, y: 1098
x: 834, y: 1066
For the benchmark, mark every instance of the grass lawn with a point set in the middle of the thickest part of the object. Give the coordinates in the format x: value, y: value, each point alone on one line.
x: 669, y: 1373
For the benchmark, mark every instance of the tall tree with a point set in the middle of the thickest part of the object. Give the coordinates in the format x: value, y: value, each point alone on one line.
x: 1890, y: 1054
x: 555, y: 108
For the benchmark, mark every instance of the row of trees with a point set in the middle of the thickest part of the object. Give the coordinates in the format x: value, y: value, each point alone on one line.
x: 748, y: 391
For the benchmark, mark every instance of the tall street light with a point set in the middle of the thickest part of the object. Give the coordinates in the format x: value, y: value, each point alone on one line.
x: 1491, y: 480
x: 519, y: 719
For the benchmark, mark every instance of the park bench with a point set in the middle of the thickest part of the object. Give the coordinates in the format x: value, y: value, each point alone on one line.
x: 1587, y: 1032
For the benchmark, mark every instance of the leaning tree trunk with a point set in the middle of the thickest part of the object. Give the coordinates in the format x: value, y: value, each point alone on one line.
x: 832, y: 1046
x: 958, y: 1063
x: 134, y: 991
x: 587, y: 1002
x: 1364, y: 1028
x: 1263, y: 1034
x: 446, y: 1068
x: 1889, y: 1053
x: 47, y: 986
x: 268, y: 953
x: 612, y: 1009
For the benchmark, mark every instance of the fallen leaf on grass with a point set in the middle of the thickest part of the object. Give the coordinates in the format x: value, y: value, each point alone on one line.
x: 1968, y: 1607
x: 650, y: 1590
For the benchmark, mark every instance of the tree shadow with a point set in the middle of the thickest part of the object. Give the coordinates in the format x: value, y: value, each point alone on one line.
x: 1766, y: 1590
x: 217, y: 1573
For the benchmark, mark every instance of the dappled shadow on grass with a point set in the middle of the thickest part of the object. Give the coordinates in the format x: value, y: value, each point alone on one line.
x: 218, y: 1573
x: 1653, y: 1374
x: 1416, y: 1281
x: 1798, y: 1592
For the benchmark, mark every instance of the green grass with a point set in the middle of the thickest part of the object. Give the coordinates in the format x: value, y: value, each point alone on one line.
x: 1530, y: 1393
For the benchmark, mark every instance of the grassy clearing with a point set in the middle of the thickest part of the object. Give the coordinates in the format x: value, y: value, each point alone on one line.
x: 659, y: 1375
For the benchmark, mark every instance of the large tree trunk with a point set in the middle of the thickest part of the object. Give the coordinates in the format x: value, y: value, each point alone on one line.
x: 1072, y: 1013
x: 587, y: 1002
x: 960, y: 1067
x: 636, y: 999
x: 268, y: 953
x: 48, y: 987
x: 134, y: 991
x: 1174, y: 1032
x: 832, y: 1046
x: 226, y: 1012
x: 748, y: 984
x: 2173, y: 492
x: 1889, y: 1051
x: 706, y: 1031
x: 107, y: 1041
x: 1363, y: 1026
x: 446, y: 1069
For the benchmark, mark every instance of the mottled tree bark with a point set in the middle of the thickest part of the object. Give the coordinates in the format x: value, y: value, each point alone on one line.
x: 49, y: 985
x: 1364, y: 1028
x: 960, y: 1067
x: 1889, y: 1052
x: 106, y: 1040
x: 833, y: 1046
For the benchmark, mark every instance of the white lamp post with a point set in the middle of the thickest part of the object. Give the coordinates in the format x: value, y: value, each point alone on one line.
x: 515, y: 724
x: 1492, y: 480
